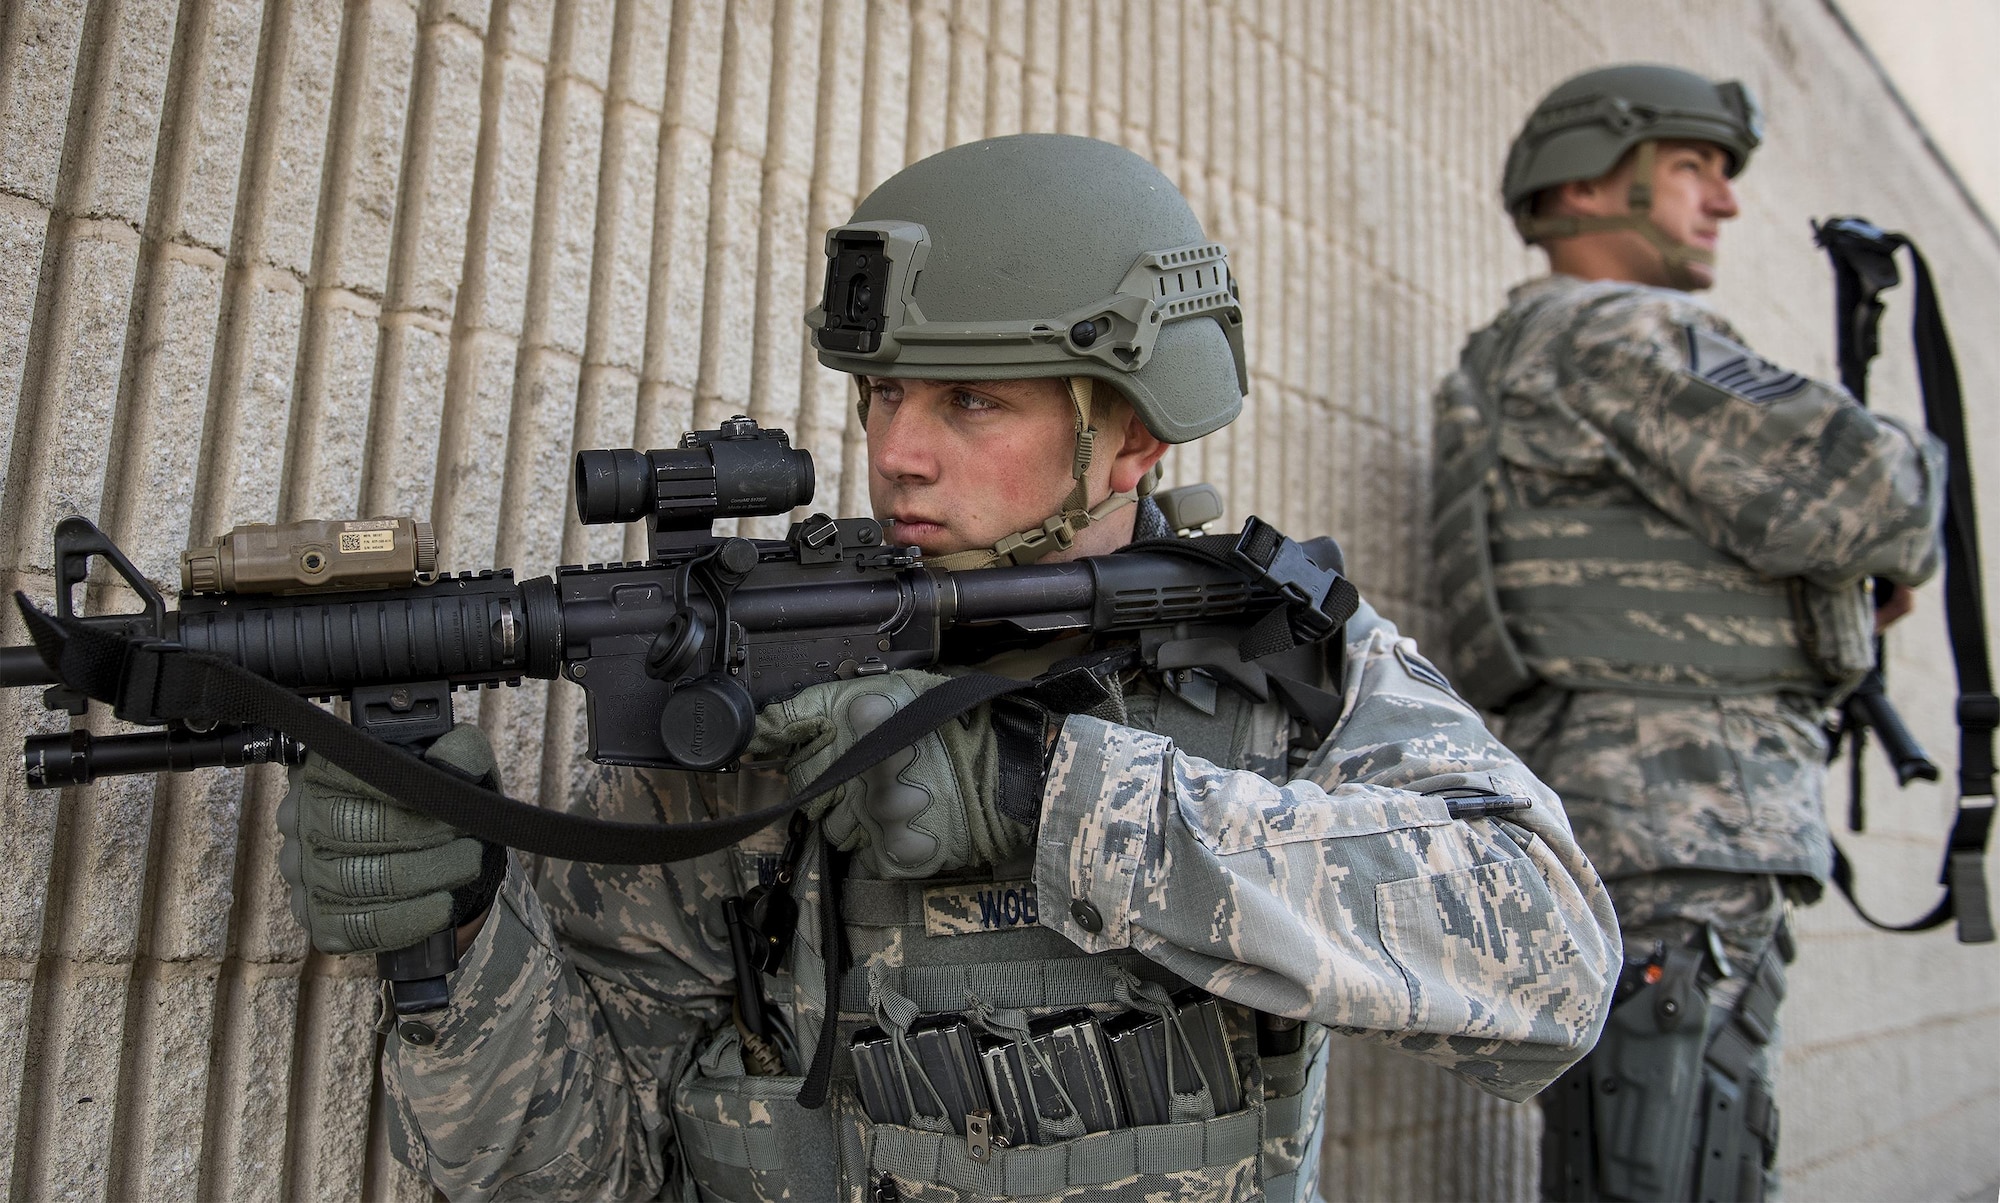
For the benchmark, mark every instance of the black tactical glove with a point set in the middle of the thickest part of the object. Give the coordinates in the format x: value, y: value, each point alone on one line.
x: 370, y: 875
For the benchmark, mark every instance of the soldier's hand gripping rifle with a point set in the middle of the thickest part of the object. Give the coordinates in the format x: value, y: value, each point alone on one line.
x: 675, y: 653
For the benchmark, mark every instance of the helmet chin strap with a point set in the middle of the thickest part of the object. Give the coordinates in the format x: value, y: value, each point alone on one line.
x: 1058, y: 532
x: 1676, y: 257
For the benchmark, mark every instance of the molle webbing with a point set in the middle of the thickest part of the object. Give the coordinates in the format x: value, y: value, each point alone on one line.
x: 1096, y: 1160
x: 1486, y: 667
x: 1038, y: 970
x: 1626, y: 597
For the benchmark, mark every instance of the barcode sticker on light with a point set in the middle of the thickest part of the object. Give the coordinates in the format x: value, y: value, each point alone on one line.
x: 367, y: 540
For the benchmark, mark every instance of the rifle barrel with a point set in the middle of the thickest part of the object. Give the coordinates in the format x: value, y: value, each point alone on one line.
x: 23, y: 666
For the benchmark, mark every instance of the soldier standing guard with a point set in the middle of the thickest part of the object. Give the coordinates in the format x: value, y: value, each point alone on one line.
x: 1655, y: 547
x: 1030, y: 322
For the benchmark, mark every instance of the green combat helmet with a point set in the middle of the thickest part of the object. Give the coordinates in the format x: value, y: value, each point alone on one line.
x: 1582, y: 129
x: 1033, y: 256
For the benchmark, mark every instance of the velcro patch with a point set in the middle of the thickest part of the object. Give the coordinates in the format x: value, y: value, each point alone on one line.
x: 1423, y: 670
x: 956, y: 910
x: 1738, y: 370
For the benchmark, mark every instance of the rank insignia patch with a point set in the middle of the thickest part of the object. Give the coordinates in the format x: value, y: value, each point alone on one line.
x: 1736, y: 369
x: 1423, y: 670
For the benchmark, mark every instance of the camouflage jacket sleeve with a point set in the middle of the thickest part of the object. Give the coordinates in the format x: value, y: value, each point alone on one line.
x: 531, y: 1083
x: 1786, y: 473
x: 1347, y: 895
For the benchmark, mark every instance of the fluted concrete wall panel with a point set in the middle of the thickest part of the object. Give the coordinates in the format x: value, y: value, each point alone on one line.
x: 261, y: 261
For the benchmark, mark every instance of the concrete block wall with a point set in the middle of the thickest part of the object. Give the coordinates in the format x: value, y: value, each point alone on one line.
x: 314, y: 258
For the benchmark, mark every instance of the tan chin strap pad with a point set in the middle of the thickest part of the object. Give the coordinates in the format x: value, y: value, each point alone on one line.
x: 1677, y: 256
x: 1058, y: 532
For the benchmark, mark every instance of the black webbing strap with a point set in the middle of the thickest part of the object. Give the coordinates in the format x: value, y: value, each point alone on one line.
x: 1964, y: 594
x: 833, y: 952
x: 152, y: 681
x: 1963, y: 874
x: 1964, y: 879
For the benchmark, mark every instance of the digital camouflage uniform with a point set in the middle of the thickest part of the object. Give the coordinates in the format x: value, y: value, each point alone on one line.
x: 1785, y: 474
x: 1729, y: 508
x: 587, y: 1049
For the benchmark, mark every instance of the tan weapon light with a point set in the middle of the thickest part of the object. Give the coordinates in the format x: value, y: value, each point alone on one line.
x: 314, y: 554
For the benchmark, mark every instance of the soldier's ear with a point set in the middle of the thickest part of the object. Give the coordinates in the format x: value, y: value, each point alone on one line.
x: 1585, y: 198
x: 1137, y: 451
x: 1607, y: 195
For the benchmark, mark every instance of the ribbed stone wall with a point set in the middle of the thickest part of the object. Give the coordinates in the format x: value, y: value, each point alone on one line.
x: 311, y: 258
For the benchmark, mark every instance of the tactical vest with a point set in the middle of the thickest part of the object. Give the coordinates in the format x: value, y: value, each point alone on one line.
x: 971, y: 945
x: 1609, y: 597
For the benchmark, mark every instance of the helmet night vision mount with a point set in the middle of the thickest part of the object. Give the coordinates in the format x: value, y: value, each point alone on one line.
x: 870, y: 309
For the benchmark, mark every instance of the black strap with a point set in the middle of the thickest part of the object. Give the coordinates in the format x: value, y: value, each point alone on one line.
x: 1863, y: 265
x: 1963, y: 873
x: 153, y: 681
x: 1843, y: 878
x: 833, y: 951
x: 1317, y: 708
x: 1964, y: 594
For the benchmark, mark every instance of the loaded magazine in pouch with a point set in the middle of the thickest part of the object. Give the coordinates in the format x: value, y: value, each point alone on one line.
x: 942, y: 1046
x: 1141, y: 1044
x: 943, y: 1073
x: 877, y: 1080
x: 1074, y: 1044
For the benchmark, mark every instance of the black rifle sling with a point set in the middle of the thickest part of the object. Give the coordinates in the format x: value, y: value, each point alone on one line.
x: 151, y: 681
x: 833, y: 956
x: 1963, y: 874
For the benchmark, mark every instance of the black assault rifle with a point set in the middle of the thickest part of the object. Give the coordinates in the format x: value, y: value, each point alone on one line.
x: 675, y: 653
